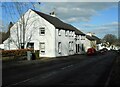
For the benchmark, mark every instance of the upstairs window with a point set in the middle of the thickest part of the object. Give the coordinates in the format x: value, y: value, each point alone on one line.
x: 66, y: 33
x: 70, y: 33
x: 82, y: 37
x: 42, y: 31
x: 59, y: 32
x: 77, y: 37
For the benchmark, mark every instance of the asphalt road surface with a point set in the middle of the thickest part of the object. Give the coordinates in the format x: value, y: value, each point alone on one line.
x: 79, y: 70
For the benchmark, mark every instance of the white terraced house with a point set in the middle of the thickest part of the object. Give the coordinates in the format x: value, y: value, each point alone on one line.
x: 46, y: 33
x: 92, y: 41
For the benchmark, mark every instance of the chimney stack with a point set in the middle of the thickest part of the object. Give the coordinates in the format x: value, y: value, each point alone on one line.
x: 90, y: 34
x: 53, y: 14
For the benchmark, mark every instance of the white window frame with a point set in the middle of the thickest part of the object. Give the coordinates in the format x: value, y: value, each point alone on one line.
x: 40, y: 31
x: 42, y: 48
x: 66, y: 33
x: 59, y: 47
x: 82, y: 37
x: 72, y: 44
x: 70, y: 33
x: 59, y: 32
x: 77, y: 37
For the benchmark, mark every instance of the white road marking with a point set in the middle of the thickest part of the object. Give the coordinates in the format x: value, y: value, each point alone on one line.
x: 67, y: 67
x: 50, y: 74
x: 19, y: 82
x: 43, y: 77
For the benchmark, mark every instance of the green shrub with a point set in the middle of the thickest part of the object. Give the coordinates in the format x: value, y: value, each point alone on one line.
x: 37, y: 54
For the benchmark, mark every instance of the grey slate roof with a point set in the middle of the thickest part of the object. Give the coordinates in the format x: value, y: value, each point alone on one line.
x: 90, y: 38
x: 97, y: 39
x: 58, y: 23
x: 5, y: 35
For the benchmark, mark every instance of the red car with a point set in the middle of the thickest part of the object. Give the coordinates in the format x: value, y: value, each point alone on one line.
x: 91, y: 51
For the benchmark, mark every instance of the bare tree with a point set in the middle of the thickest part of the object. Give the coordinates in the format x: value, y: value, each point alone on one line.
x: 110, y: 38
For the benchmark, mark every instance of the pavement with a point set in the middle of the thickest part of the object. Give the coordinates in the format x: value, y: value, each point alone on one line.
x: 75, y: 70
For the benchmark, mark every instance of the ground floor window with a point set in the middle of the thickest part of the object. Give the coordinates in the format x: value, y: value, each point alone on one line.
x: 42, y: 47
x: 82, y: 47
x: 59, y: 47
x: 71, y: 46
x: 29, y: 45
x: 77, y: 48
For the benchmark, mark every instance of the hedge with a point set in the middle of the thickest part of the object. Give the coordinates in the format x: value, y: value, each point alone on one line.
x: 19, y: 52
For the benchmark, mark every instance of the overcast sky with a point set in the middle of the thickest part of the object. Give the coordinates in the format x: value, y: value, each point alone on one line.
x: 98, y: 17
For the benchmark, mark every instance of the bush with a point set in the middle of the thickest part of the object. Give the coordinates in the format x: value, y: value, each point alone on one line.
x: 37, y: 54
x: 19, y: 52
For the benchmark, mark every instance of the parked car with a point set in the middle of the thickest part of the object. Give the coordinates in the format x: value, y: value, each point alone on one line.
x: 91, y: 51
x: 104, y: 50
x: 118, y: 51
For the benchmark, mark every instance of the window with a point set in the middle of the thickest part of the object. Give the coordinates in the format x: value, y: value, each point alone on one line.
x: 42, y: 48
x: 78, y: 37
x: 59, y: 32
x: 72, y: 45
x: 42, y: 31
x: 30, y: 45
x: 59, y: 47
x: 70, y: 33
x: 66, y: 33
x: 82, y: 47
x: 82, y: 37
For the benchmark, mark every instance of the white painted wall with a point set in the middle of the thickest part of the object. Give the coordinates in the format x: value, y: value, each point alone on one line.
x: 65, y: 39
x: 32, y: 24
x: 89, y: 44
x: 51, y: 38
x: 81, y: 40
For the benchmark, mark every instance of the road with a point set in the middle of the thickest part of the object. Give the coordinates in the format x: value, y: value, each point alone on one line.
x: 79, y: 70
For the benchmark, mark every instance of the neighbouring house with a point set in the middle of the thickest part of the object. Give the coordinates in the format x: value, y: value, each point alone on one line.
x: 45, y: 33
x: 80, y: 40
x: 90, y: 42
x: 5, y: 35
x: 98, y: 42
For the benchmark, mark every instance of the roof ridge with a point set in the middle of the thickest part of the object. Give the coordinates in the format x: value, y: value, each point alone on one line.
x: 58, y: 23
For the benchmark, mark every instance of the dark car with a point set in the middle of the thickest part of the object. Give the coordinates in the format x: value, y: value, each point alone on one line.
x: 91, y: 51
x: 104, y: 50
x: 118, y: 51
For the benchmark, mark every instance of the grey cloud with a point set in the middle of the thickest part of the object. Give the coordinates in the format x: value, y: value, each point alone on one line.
x: 103, y: 26
x: 111, y: 28
x: 76, y: 11
x: 101, y: 30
